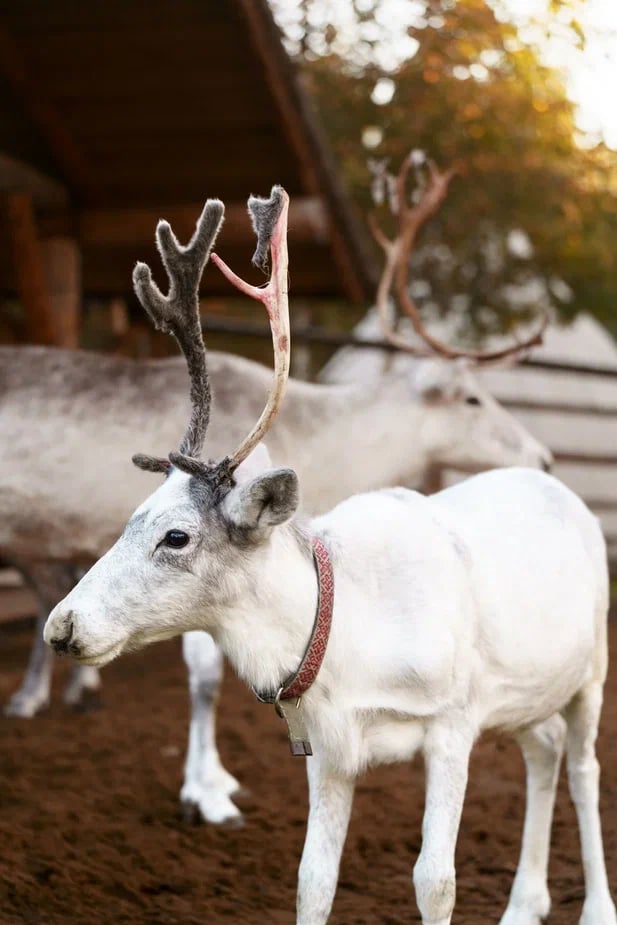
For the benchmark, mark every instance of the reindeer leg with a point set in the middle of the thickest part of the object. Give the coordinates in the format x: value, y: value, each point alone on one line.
x: 330, y: 800
x: 50, y: 583
x: 542, y: 746
x: 207, y: 785
x: 446, y: 756
x: 582, y: 716
x: 85, y: 682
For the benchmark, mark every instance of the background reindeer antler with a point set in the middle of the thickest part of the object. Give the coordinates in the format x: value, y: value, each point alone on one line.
x: 397, y: 252
x: 411, y: 219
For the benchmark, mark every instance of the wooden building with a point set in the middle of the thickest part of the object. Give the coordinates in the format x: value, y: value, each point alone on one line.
x: 114, y: 113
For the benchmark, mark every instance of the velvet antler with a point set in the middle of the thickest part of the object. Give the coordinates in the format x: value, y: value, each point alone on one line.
x: 177, y: 313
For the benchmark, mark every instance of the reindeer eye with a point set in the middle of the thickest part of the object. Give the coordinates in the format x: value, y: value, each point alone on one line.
x: 472, y: 400
x: 176, y: 539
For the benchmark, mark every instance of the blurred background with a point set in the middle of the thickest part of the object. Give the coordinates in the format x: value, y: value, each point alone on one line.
x: 115, y: 114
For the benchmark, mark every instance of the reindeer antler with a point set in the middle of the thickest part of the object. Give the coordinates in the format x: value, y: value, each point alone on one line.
x: 411, y: 219
x: 269, y: 218
x: 396, y: 270
x: 391, y: 251
x: 178, y: 313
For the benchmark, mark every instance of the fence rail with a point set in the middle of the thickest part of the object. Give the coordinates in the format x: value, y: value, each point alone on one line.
x: 313, y: 334
x: 559, y: 407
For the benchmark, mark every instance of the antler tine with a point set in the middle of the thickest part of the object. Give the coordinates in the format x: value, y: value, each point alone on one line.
x: 408, y: 222
x: 412, y: 217
x: 177, y: 313
x: 384, y: 287
x: 269, y: 217
x: 411, y: 220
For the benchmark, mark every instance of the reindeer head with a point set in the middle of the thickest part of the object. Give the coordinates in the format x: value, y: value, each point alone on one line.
x: 195, y: 545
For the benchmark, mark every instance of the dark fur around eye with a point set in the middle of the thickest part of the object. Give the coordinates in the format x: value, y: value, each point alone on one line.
x: 473, y: 400
x: 176, y: 539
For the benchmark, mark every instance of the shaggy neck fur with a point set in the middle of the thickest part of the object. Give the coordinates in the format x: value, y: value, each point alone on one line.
x: 276, y: 615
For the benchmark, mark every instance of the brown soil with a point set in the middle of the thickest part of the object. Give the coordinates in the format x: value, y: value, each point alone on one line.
x: 90, y: 830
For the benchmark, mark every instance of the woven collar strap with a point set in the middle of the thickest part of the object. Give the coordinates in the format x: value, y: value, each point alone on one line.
x: 301, y: 680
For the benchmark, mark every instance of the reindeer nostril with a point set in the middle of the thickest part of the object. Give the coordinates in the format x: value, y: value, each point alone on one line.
x: 62, y: 644
x: 547, y: 465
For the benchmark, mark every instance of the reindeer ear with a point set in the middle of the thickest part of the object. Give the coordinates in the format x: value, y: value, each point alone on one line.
x: 254, y: 508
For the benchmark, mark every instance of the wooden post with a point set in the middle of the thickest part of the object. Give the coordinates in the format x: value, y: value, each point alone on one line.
x: 48, y: 277
x: 29, y: 270
x: 62, y: 270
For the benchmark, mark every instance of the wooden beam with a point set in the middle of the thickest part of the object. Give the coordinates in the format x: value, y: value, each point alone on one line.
x: 29, y: 269
x: 130, y: 227
x: 605, y: 505
x: 321, y: 335
x: 45, y: 119
x: 586, y: 459
x: 17, y: 604
x: 558, y: 407
x: 62, y: 271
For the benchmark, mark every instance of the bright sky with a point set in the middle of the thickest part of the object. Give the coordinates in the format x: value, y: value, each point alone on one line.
x: 590, y: 73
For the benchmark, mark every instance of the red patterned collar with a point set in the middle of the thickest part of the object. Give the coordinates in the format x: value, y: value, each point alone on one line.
x: 296, y: 685
x: 300, y: 682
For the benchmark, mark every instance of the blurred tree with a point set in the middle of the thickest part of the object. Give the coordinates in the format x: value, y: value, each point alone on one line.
x: 533, y: 219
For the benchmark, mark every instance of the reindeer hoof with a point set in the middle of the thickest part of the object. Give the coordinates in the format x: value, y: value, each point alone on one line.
x: 233, y: 822
x: 89, y: 702
x: 26, y: 704
x: 190, y: 813
x: 193, y: 814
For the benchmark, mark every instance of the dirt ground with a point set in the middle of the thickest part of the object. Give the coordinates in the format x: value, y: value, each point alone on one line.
x: 90, y: 830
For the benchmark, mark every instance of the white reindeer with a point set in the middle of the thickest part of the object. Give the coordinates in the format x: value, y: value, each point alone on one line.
x: 481, y: 607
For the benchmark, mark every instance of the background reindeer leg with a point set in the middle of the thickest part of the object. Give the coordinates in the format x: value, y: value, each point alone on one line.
x: 50, y: 582
x: 207, y: 785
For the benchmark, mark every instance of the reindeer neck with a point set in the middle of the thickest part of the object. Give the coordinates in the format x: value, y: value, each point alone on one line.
x: 353, y: 438
x: 264, y: 634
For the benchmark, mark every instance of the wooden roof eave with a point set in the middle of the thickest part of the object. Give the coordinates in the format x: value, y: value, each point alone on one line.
x: 350, y: 245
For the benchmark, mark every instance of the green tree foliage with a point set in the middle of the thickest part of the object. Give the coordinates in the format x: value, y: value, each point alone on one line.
x: 469, y: 87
